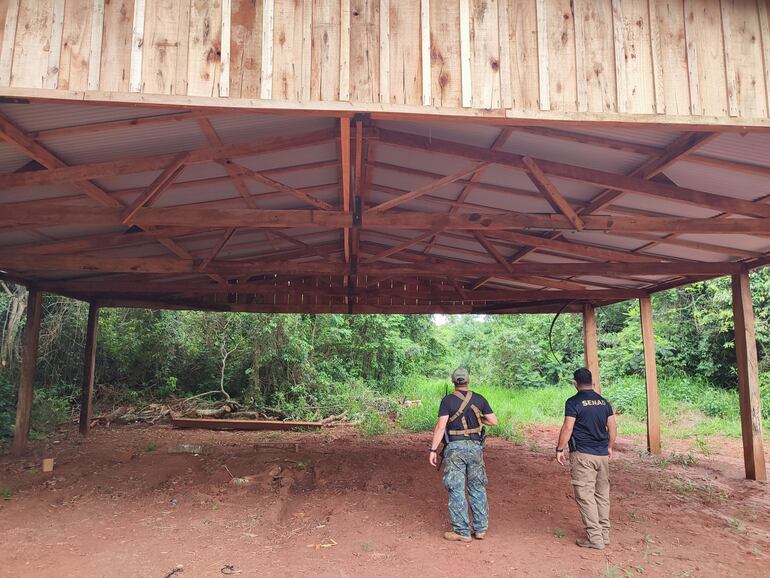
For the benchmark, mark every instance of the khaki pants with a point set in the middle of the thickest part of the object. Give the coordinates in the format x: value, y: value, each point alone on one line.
x: 591, y: 482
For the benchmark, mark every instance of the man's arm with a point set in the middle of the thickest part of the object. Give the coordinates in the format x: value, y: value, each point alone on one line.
x: 489, y: 419
x: 564, y: 435
x: 612, y: 427
x: 438, y: 435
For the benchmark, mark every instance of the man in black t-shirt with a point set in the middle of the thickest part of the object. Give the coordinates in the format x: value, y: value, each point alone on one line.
x: 461, y: 417
x: 590, y: 430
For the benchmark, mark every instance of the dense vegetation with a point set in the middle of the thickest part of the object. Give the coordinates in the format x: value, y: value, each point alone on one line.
x: 307, y: 366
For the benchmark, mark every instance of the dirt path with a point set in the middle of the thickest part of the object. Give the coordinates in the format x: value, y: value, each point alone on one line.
x: 119, y: 504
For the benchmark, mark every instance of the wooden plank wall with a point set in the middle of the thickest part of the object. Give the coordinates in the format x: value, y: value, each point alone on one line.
x: 664, y: 58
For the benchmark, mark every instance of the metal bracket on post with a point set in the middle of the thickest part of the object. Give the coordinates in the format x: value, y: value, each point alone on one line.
x: 357, y: 212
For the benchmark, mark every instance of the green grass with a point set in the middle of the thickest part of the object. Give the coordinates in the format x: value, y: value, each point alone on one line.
x: 689, y: 410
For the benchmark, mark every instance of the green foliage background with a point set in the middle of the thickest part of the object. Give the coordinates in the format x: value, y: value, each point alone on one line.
x: 309, y: 366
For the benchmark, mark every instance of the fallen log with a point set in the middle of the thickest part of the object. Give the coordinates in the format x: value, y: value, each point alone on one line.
x: 240, y: 424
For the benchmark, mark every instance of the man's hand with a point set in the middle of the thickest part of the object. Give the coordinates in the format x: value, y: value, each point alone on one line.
x: 433, y: 459
x: 609, y: 453
x: 560, y: 458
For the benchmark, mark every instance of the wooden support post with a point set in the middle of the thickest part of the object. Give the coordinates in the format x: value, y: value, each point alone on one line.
x: 651, y: 377
x: 590, y: 346
x: 28, y: 371
x: 748, y: 379
x: 89, y: 367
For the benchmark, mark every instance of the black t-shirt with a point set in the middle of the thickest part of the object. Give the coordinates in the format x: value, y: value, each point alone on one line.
x: 451, y: 403
x: 590, y: 410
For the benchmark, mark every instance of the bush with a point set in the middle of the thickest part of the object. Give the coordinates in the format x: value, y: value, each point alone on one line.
x: 373, y: 424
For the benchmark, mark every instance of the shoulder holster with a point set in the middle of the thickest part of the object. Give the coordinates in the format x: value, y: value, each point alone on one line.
x: 466, y: 431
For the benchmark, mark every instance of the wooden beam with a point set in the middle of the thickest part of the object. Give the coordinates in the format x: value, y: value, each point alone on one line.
x: 216, y: 249
x: 581, y: 174
x: 345, y: 176
x: 270, y: 182
x: 160, y: 184
x: 211, y: 135
x: 89, y: 369
x: 651, y: 377
x: 590, y: 346
x: 572, y: 248
x: 91, y: 263
x: 416, y: 193
x: 748, y: 379
x: 551, y: 193
x: 127, y: 166
x: 29, y: 353
x: 104, y: 241
x: 216, y: 217
x: 680, y: 148
x: 400, y: 247
x: 450, y: 294
x: 12, y: 134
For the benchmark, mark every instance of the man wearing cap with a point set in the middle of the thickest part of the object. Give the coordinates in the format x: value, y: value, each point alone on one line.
x: 589, y: 429
x: 461, y: 418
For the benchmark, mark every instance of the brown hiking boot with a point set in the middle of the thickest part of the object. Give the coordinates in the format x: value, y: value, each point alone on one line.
x: 452, y: 537
x: 588, y: 544
x: 479, y: 535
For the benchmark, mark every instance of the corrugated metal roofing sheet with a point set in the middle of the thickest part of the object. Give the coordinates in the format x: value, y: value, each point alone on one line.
x: 46, y: 116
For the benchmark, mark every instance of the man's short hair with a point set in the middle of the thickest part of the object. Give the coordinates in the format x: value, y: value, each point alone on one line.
x: 583, y: 377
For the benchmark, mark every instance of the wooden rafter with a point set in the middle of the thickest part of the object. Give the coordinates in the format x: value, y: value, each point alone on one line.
x: 270, y: 182
x: 456, y: 269
x: 257, y: 218
x: 160, y: 184
x: 211, y: 135
x: 473, y: 181
x: 581, y: 174
x: 551, y: 193
x: 416, y: 193
x: 127, y: 166
x: 217, y: 248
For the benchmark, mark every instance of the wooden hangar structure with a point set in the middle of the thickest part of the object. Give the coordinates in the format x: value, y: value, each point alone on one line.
x: 419, y: 156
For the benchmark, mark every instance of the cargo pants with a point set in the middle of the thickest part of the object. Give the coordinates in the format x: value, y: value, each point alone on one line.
x: 464, y: 465
x: 591, y: 483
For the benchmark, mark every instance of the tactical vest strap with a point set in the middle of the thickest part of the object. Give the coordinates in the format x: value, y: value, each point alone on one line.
x: 466, y: 431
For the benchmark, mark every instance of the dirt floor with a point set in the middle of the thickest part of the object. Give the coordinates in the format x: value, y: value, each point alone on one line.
x: 120, y: 503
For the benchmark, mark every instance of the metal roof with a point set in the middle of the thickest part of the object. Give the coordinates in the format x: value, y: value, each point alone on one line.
x: 298, y: 176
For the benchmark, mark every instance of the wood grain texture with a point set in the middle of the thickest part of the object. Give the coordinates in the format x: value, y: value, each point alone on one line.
x: 32, y: 43
x: 115, y: 65
x: 10, y: 12
x: 561, y: 55
x: 485, y: 54
x: 572, y: 59
x: 405, y: 71
x: 364, y: 51
x: 76, y: 36
x: 29, y: 355
x: 204, y: 48
x: 748, y: 378
x: 167, y: 26
x: 743, y: 52
x: 137, y: 47
x: 325, y: 57
x: 651, y: 376
x: 673, y: 55
x: 245, y: 48
x: 446, y: 85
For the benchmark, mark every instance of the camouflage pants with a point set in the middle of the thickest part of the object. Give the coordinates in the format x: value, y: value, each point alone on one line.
x: 464, y: 463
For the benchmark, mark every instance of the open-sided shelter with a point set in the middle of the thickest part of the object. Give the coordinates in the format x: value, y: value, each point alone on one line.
x: 419, y: 156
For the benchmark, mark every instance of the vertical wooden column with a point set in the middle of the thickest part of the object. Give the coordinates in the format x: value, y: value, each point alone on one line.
x: 89, y: 366
x: 651, y: 377
x: 590, y: 346
x: 748, y: 379
x: 31, y: 339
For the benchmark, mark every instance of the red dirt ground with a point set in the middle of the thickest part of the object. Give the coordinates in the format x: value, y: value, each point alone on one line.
x: 342, y: 505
